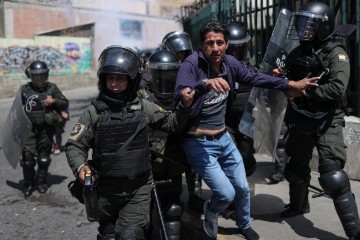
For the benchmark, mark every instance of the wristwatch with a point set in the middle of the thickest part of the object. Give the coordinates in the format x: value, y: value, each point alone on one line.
x: 205, y: 81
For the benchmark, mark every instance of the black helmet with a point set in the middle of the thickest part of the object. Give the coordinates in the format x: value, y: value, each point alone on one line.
x: 163, y: 66
x: 314, y: 19
x: 120, y: 60
x: 38, y: 72
x: 238, y: 41
x: 178, y: 42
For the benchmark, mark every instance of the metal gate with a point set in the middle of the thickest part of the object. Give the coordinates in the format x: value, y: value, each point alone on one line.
x: 259, y: 17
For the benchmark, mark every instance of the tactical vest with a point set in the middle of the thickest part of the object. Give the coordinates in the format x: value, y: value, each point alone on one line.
x: 303, y: 113
x: 34, y: 105
x: 115, y: 126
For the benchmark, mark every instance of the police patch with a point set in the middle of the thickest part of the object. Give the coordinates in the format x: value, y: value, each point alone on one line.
x: 76, y: 129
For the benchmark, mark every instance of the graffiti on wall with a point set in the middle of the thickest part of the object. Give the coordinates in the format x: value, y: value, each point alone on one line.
x: 63, y: 55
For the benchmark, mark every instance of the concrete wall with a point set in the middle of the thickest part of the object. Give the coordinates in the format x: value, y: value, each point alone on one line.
x: 28, y: 18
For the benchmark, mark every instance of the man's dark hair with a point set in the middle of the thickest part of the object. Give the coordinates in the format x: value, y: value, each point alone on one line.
x: 215, y: 27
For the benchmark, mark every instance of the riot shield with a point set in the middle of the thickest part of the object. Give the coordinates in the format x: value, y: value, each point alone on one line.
x: 265, y: 110
x: 16, y: 131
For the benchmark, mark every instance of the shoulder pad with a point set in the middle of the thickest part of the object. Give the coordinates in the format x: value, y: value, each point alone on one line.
x: 99, y: 105
x: 330, y: 46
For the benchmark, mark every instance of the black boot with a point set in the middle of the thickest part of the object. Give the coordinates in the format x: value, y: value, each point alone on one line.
x: 42, y: 172
x: 299, y: 202
x: 27, y: 163
x: 27, y: 189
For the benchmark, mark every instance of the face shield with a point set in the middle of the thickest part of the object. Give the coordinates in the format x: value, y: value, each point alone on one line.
x: 303, y: 26
x: 239, y: 51
x: 119, y: 60
x: 163, y: 67
x: 163, y: 81
x: 39, y: 80
x: 122, y: 61
x: 176, y: 42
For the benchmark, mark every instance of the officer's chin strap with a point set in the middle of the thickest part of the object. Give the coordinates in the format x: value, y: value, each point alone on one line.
x: 325, y: 70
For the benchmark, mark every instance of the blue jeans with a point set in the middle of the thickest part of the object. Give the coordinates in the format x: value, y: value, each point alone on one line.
x: 221, y: 166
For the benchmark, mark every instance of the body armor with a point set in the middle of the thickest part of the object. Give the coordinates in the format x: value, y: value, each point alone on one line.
x: 308, y: 116
x: 34, y: 106
x: 122, y: 124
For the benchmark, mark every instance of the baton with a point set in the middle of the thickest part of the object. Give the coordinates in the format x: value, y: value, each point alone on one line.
x: 158, y: 207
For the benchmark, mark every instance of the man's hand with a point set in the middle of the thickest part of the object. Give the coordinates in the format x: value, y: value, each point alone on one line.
x: 187, y: 97
x: 48, y: 101
x: 83, y: 170
x: 301, y: 85
x: 218, y: 84
x: 277, y: 71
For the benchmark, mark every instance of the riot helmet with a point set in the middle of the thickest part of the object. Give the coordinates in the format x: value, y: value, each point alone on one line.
x: 123, y: 61
x: 178, y: 43
x: 38, y: 72
x: 313, y: 21
x: 238, y: 41
x: 163, y: 66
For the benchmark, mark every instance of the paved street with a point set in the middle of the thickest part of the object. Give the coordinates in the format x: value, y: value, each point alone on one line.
x: 56, y: 215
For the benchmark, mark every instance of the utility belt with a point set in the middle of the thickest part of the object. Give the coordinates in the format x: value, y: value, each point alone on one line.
x: 202, y: 136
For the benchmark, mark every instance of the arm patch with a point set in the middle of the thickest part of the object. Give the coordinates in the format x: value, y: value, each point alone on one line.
x: 76, y: 131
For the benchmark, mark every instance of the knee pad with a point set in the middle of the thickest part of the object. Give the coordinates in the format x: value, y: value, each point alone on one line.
x: 334, y: 183
x: 27, y: 160
x: 172, y: 212
x: 132, y: 232
x: 43, y: 160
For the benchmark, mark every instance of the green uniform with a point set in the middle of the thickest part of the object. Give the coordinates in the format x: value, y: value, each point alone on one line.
x: 317, y: 122
x: 329, y: 141
x: 122, y: 201
x: 41, y: 136
x: 43, y: 119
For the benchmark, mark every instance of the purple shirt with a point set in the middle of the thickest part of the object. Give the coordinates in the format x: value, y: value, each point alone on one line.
x: 195, y: 68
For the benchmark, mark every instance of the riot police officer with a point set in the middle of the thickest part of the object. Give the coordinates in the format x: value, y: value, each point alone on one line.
x: 238, y: 41
x: 317, y: 119
x: 42, y: 101
x: 178, y: 43
x: 162, y: 67
x: 115, y: 127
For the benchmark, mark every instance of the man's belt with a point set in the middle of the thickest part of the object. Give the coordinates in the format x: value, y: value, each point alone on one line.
x: 201, y: 136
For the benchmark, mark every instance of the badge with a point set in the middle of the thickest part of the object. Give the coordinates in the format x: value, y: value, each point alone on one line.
x: 343, y: 58
x: 76, y: 129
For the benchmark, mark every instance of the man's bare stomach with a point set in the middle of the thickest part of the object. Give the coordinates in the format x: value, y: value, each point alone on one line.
x: 194, y: 129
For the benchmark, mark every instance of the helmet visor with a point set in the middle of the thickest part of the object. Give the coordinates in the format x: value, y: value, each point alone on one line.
x: 303, y: 26
x: 239, y: 51
x: 163, y: 81
x: 119, y: 60
x: 39, y: 80
x: 177, y: 41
